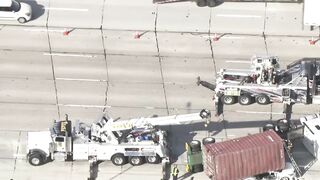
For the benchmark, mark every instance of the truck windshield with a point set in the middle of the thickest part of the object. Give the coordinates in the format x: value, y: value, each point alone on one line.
x: 15, y: 6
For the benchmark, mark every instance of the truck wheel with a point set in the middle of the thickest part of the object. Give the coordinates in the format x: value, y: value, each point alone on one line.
x: 214, y: 3
x: 283, y: 125
x: 228, y: 100
x: 36, y: 159
x: 118, y: 159
x: 135, y: 160
x: 153, y: 159
x: 262, y: 99
x: 197, y: 168
x: 245, y: 99
x: 195, y: 146
x: 208, y: 140
x: 285, y: 178
x: 201, y: 3
x: 268, y: 127
x: 204, y: 113
x: 22, y: 20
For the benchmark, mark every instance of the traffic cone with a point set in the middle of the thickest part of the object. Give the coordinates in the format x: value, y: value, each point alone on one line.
x: 312, y: 41
x: 215, y: 37
x: 66, y: 32
x: 137, y: 35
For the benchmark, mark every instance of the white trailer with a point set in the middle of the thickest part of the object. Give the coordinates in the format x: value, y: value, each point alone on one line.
x: 311, y: 13
x: 134, y: 140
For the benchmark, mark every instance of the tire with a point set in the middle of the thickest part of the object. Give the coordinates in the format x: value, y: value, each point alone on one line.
x: 285, y: 178
x: 153, y: 159
x: 268, y: 127
x: 214, y: 3
x: 197, y: 168
x: 283, y: 125
x: 245, y: 99
x: 135, y: 160
x: 201, y: 3
x: 262, y: 99
x: 36, y: 159
x: 204, y: 113
x: 208, y: 140
x: 118, y: 159
x: 195, y: 146
x: 228, y: 100
x: 22, y: 20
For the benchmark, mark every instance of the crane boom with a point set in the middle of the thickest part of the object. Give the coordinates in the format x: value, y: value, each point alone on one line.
x: 160, y: 121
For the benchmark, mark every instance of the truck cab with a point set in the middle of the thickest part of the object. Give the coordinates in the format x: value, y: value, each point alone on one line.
x: 14, y: 10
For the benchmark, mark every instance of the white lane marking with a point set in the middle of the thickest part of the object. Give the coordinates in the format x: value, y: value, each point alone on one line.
x: 149, y: 107
x: 229, y: 36
x: 236, y: 61
x: 72, y: 55
x: 238, y: 16
x: 259, y: 112
x: 43, y: 30
x: 65, y: 9
x: 84, y: 105
x: 19, y: 155
x: 96, y: 106
x: 88, y: 80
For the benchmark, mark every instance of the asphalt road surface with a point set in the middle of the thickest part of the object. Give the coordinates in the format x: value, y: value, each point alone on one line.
x: 101, y: 66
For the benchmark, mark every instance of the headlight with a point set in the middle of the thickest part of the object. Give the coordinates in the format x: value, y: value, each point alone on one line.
x: 28, y: 14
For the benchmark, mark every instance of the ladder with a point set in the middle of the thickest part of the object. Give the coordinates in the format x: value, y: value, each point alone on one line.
x: 293, y: 162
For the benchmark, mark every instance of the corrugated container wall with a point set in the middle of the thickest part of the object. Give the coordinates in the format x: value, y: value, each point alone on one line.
x: 244, y: 157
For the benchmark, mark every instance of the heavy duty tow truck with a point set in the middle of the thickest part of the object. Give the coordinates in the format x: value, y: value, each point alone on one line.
x: 264, y: 82
x: 133, y: 140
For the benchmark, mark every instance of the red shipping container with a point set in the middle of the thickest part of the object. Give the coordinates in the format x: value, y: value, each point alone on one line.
x: 244, y: 157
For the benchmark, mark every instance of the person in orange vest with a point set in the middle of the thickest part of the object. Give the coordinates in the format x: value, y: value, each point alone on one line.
x: 175, y: 172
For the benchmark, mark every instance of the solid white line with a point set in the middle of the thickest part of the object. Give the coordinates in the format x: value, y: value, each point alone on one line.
x: 43, y: 30
x: 149, y: 107
x: 65, y: 9
x: 89, y: 80
x: 72, y: 55
x: 235, y: 61
x: 83, y: 105
x: 259, y: 112
x: 19, y: 155
x: 232, y: 37
x: 238, y: 16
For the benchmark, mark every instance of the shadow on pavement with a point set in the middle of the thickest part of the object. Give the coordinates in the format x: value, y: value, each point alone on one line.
x: 179, y: 135
x: 37, y: 9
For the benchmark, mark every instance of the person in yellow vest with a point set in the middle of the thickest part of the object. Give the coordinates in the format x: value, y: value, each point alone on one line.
x: 175, y: 172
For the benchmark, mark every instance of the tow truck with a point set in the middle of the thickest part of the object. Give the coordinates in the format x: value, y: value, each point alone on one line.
x: 134, y: 140
x: 264, y: 82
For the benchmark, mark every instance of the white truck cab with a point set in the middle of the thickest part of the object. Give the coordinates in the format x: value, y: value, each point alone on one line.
x: 14, y: 10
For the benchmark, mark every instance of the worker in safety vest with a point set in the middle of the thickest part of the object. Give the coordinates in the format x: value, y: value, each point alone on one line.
x: 175, y: 172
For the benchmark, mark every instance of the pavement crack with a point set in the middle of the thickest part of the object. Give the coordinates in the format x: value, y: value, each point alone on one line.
x: 102, y: 14
x: 17, y: 152
x: 106, y: 63
x: 211, y: 45
x: 160, y: 62
x: 53, y: 73
x: 264, y: 28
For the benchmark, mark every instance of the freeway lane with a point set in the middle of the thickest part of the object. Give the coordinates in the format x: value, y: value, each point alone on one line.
x: 45, y: 74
